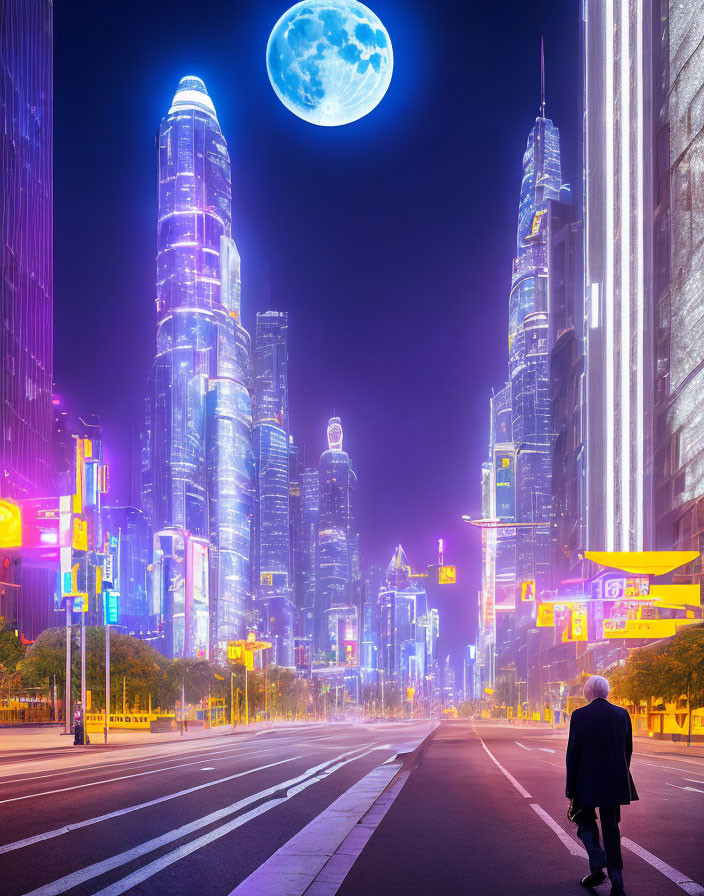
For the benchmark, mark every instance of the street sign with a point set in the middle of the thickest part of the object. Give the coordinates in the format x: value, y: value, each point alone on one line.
x: 111, y: 606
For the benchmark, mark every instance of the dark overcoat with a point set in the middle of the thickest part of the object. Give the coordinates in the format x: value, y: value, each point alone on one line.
x: 599, y: 756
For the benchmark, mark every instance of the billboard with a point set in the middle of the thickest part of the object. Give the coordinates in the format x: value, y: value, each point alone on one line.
x: 528, y: 590
x: 546, y: 616
x: 447, y: 575
x: 504, y: 482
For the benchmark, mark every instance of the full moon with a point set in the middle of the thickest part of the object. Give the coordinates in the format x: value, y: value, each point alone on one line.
x: 329, y: 61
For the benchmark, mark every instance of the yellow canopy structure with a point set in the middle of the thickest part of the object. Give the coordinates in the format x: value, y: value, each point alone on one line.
x: 642, y: 563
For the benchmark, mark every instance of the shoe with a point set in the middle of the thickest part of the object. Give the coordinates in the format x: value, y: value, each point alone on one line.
x: 617, y: 891
x: 594, y: 878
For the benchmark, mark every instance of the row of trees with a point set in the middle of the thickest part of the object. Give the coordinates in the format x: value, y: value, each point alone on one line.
x: 138, y: 672
x: 665, y: 671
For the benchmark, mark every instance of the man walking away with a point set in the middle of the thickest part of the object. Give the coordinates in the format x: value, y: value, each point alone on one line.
x: 598, y: 761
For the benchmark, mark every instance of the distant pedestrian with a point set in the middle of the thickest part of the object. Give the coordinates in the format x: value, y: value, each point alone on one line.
x: 78, y: 725
x: 598, y: 776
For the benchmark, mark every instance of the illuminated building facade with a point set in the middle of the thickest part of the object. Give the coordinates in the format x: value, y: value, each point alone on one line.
x: 529, y: 356
x: 408, y: 628
x: 181, y: 593
x: 517, y: 478
x: 678, y: 55
x: 618, y: 294
x: 26, y: 237
x: 336, y: 621
x: 310, y: 500
x: 130, y: 542
x: 272, y: 534
x: 197, y: 462
x: 566, y: 398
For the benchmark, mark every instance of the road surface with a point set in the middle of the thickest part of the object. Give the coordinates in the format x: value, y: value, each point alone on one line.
x: 350, y: 808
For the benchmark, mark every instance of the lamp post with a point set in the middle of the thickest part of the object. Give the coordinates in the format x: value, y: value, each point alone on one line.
x: 67, y: 698
x: 107, y: 681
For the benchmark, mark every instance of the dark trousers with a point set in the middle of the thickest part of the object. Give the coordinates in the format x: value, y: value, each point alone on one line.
x: 588, y: 833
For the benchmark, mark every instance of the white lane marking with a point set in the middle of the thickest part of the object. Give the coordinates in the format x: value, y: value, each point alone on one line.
x: 693, y: 780
x: 208, y: 768
x: 327, y: 847
x: 568, y: 841
x: 693, y: 789
x: 154, y: 771
x: 62, y: 884
x: 677, y: 877
x: 104, y: 766
x: 546, y: 749
x: 147, y: 871
x: 57, y: 832
x: 520, y: 745
x: 519, y: 787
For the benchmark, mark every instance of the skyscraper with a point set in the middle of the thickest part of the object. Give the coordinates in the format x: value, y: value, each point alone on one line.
x: 272, y: 537
x: 334, y: 616
x: 197, y: 464
x: 26, y: 235
x: 618, y: 300
x: 678, y: 57
x: 310, y: 500
x: 529, y: 354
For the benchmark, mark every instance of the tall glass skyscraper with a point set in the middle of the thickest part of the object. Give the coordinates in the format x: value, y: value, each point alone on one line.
x: 272, y: 534
x: 26, y: 237
x: 197, y: 463
x: 334, y: 555
x: 529, y: 355
x: 310, y: 500
x: 516, y: 480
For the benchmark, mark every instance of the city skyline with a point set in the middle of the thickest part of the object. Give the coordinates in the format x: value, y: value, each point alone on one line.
x: 352, y: 469
x: 318, y: 366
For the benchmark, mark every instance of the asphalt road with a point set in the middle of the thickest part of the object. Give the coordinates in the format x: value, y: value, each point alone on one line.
x: 85, y: 822
x: 460, y: 825
x: 325, y: 809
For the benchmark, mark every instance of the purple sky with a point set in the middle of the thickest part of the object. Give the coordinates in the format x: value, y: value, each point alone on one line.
x: 389, y: 241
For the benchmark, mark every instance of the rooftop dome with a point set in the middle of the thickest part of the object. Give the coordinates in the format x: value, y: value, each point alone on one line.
x: 191, y: 94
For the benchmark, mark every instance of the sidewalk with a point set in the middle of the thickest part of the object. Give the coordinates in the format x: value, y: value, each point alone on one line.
x: 16, y: 741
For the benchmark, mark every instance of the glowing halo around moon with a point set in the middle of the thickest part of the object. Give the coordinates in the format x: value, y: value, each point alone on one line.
x: 329, y: 61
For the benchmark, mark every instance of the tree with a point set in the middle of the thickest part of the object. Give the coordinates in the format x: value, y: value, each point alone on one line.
x: 664, y: 671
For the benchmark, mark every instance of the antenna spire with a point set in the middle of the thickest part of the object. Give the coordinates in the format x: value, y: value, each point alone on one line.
x: 542, y: 79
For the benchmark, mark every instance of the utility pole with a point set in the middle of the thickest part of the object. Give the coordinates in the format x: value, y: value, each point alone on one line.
x: 232, y: 698
x: 107, y: 681
x: 67, y: 698
x: 382, y: 692
x: 183, y: 704
x: 83, y: 674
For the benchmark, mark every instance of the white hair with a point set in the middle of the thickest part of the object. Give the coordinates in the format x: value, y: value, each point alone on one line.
x: 596, y: 686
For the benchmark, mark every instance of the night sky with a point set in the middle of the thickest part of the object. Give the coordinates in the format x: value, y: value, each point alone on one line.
x: 389, y: 241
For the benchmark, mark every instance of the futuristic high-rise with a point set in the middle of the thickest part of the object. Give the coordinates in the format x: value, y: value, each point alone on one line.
x: 272, y: 536
x: 26, y: 236
x: 529, y: 355
x: 197, y: 465
x: 334, y: 625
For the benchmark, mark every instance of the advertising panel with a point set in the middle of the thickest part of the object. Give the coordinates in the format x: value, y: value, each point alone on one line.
x: 111, y: 606
x: 546, y: 616
x: 504, y: 479
x: 528, y: 590
x: 447, y: 575
x: 579, y: 623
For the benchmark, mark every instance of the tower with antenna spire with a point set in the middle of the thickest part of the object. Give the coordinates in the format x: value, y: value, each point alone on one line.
x: 518, y: 475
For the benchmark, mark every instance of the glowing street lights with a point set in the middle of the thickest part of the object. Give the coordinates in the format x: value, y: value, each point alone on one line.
x: 242, y: 651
